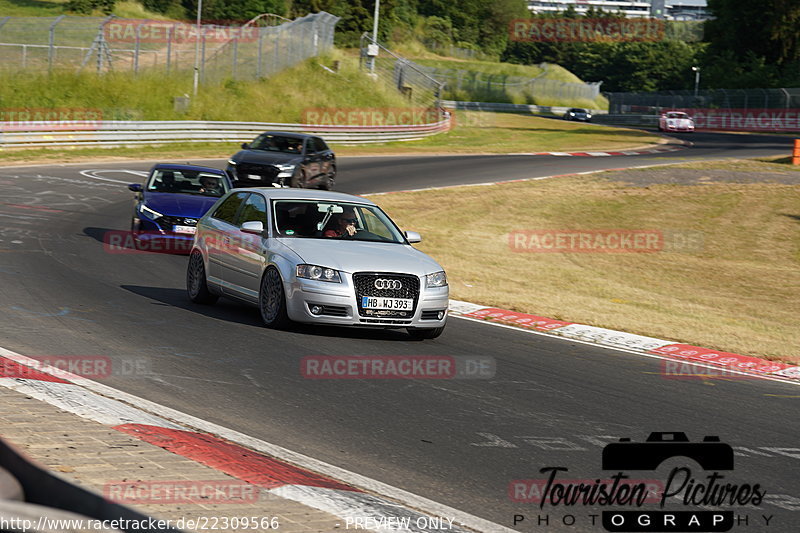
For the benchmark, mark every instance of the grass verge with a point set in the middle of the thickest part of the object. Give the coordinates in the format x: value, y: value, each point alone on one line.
x: 738, y: 291
x: 498, y: 133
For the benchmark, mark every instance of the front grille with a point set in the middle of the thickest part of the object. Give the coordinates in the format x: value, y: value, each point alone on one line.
x: 431, y: 315
x: 364, y: 283
x: 268, y: 173
x: 166, y: 222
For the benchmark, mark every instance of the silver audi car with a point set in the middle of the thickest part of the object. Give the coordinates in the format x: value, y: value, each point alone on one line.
x: 316, y: 257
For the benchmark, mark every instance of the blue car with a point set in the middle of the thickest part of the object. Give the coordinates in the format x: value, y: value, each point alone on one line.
x: 171, y: 201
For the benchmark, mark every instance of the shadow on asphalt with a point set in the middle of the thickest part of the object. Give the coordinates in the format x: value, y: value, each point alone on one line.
x: 243, y: 314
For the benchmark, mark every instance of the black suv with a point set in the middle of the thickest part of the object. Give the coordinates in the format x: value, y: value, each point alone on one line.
x: 279, y: 158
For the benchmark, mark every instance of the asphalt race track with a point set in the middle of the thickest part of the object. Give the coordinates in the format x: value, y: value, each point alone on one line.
x: 459, y: 442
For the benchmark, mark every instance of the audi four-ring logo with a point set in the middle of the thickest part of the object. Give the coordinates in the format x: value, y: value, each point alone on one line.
x: 388, y: 284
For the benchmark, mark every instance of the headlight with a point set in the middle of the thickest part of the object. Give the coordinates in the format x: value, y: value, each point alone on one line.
x: 231, y: 162
x: 285, y: 168
x: 149, y: 212
x: 437, y: 279
x: 318, y: 273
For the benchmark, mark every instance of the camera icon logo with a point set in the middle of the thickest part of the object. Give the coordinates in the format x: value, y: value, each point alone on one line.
x: 710, y: 454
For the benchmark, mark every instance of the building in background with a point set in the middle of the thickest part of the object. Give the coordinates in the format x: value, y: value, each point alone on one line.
x: 668, y: 9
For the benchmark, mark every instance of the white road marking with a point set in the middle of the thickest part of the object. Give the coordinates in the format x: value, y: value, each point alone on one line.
x: 93, y: 174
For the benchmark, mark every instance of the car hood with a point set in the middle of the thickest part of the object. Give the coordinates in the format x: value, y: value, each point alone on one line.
x: 354, y: 256
x: 262, y: 157
x: 176, y: 204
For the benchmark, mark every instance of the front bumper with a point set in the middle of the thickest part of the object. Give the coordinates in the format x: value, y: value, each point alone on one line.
x: 259, y: 175
x: 336, y: 304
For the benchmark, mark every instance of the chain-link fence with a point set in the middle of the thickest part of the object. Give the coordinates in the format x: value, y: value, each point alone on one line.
x: 411, y: 79
x: 742, y: 99
x: 263, y: 46
x: 486, y: 87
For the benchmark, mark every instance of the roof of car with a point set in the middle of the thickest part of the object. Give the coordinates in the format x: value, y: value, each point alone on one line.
x: 283, y: 193
x: 199, y: 168
x: 288, y: 134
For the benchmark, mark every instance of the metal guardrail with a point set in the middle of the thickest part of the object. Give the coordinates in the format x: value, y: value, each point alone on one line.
x: 628, y: 120
x: 122, y: 133
x: 511, y: 108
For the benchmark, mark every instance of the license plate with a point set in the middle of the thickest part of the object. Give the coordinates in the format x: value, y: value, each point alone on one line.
x: 400, y: 304
x: 189, y: 230
x: 253, y: 177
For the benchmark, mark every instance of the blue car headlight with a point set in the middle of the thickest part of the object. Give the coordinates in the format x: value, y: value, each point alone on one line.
x: 149, y: 213
x: 318, y: 273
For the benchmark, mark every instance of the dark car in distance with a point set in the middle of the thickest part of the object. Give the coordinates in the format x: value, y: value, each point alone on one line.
x: 579, y: 114
x: 284, y: 159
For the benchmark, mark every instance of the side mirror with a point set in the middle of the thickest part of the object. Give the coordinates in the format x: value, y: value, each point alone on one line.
x: 412, y: 236
x: 135, y: 187
x: 245, y: 146
x: 255, y: 227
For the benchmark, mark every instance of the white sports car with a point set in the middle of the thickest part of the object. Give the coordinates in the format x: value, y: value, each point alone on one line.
x: 675, y: 121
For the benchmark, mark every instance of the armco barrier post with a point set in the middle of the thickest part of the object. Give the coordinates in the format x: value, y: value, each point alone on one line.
x: 796, y: 152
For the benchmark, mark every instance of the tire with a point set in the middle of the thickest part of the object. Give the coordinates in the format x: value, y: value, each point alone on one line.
x: 196, y: 283
x: 420, y: 334
x: 327, y: 183
x: 298, y: 179
x: 272, y: 300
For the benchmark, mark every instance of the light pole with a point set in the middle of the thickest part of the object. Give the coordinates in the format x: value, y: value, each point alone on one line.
x: 374, y: 35
x: 197, y: 50
x: 696, y: 79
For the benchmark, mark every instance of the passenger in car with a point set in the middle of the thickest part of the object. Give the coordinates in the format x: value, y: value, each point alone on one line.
x: 167, y: 183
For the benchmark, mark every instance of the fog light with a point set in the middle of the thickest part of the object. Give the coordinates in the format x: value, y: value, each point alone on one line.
x: 441, y: 315
x: 315, y: 309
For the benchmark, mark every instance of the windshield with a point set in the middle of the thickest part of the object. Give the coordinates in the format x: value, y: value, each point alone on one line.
x: 277, y: 143
x: 677, y: 115
x: 187, y: 182
x: 319, y: 219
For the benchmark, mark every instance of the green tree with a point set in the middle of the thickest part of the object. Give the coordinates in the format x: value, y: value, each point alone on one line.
x: 767, y: 28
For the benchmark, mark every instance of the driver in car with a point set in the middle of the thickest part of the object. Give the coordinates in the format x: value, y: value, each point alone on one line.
x: 343, y: 225
x: 210, y: 186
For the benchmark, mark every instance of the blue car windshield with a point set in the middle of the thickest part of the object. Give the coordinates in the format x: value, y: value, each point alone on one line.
x: 322, y: 219
x: 187, y: 182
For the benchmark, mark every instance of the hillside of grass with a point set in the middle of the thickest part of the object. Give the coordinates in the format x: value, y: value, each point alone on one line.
x: 492, y: 81
x: 54, y: 8
x: 281, y: 98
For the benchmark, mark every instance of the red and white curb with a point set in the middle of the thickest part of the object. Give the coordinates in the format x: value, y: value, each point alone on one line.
x: 656, y: 150
x: 274, y: 469
x: 730, y: 362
